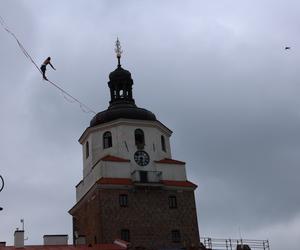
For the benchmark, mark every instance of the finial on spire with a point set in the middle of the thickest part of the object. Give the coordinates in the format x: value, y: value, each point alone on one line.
x: 118, y: 51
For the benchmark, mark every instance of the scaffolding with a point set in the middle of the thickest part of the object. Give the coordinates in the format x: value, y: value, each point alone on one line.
x: 233, y: 244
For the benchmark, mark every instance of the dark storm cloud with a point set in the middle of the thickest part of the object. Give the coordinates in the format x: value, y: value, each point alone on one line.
x: 216, y: 73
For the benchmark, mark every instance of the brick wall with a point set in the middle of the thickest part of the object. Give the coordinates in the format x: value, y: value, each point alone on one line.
x: 148, y: 217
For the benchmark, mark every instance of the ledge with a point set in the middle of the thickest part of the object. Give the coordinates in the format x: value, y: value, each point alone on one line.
x: 170, y: 161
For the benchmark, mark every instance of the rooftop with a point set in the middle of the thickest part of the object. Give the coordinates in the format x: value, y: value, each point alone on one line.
x: 112, y: 246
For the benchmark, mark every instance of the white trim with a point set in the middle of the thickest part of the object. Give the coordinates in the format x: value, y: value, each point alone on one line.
x: 122, y: 121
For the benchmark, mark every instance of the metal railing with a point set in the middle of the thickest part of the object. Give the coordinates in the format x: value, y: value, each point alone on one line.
x: 233, y: 244
x: 140, y: 176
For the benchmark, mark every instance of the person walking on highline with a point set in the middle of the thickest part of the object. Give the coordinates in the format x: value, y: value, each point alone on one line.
x: 44, y: 65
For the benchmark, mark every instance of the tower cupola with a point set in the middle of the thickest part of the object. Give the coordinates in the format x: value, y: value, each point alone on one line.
x: 122, y: 104
x: 120, y: 82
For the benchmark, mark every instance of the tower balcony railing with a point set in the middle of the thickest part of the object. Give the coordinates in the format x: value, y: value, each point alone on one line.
x: 146, y: 177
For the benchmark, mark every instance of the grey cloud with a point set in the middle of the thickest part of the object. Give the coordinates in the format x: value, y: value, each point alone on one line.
x: 215, y: 73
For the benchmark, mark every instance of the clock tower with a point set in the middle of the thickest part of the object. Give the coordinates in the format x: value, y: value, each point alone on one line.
x: 132, y: 188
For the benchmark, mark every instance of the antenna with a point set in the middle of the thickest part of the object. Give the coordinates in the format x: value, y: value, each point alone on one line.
x: 23, y: 227
x: 240, y: 236
x: 22, y: 221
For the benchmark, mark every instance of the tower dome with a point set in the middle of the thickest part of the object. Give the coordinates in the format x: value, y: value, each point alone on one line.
x: 122, y: 104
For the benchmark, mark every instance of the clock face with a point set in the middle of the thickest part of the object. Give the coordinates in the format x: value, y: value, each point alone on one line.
x: 141, y: 158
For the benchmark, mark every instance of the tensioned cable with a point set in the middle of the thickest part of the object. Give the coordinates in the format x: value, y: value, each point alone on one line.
x: 65, y: 94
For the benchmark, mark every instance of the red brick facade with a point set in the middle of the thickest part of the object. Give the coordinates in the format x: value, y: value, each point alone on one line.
x: 152, y: 224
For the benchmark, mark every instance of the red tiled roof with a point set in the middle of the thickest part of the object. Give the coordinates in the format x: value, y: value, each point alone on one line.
x: 113, y: 158
x: 125, y: 181
x: 170, y: 161
x: 179, y: 183
x: 68, y: 247
x: 115, y: 181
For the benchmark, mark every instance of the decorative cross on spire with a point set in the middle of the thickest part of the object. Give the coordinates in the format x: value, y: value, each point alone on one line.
x: 118, y: 51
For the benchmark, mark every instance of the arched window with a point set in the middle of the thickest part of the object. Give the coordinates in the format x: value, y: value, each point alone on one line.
x: 163, y: 143
x: 139, y: 138
x: 87, y: 150
x: 107, y: 140
x: 121, y: 93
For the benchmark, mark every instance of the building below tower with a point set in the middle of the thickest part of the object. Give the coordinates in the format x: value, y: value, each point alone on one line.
x: 151, y: 216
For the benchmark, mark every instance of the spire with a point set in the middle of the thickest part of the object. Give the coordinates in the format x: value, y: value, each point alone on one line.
x: 118, y: 51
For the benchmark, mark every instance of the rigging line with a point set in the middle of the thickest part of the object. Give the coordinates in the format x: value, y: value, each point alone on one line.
x: 23, y: 49
x: 84, y: 110
x: 66, y: 98
x: 69, y: 100
x: 72, y: 97
x: 2, y: 21
x: 83, y: 107
x: 19, y: 43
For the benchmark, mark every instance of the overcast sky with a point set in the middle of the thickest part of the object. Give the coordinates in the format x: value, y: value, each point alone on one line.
x: 214, y: 72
